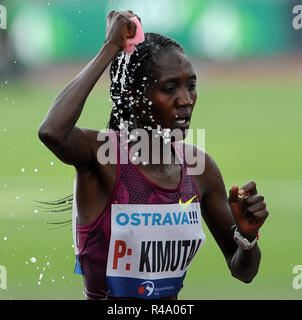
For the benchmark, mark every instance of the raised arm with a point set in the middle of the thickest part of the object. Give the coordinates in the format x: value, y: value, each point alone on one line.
x: 245, y: 208
x: 71, y: 144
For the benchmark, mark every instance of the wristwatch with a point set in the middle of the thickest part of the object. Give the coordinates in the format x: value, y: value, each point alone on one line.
x: 244, y: 243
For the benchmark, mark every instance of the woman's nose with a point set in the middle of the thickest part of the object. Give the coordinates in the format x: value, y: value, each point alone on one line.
x: 184, y: 98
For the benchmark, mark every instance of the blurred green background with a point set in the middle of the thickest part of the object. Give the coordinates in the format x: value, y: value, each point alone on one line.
x: 248, y: 60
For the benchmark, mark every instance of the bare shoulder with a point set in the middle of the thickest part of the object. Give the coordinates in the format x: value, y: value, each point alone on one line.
x: 96, y: 137
x: 82, y: 149
x: 193, y: 149
x: 91, y: 134
x: 203, y: 166
x: 195, y: 155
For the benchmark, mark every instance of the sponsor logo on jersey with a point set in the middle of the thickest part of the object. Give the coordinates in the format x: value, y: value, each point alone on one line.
x: 146, y: 288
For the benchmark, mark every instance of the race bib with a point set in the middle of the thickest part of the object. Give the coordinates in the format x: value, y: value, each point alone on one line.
x: 151, y: 247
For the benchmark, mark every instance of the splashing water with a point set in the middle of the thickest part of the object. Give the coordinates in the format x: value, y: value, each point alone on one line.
x: 120, y: 59
x: 123, y: 78
x: 127, y: 57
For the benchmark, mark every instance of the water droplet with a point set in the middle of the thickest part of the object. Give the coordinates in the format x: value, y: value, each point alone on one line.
x: 80, y: 11
x: 41, y: 276
x: 5, y: 238
x: 33, y: 259
x: 121, y: 126
x: 51, y: 163
x: 22, y: 170
x: 35, y: 170
x: 36, y: 211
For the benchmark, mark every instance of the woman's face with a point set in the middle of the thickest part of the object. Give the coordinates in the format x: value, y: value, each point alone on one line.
x: 173, y: 93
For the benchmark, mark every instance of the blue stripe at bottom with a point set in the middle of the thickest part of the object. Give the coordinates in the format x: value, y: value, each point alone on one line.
x: 77, y: 268
x: 144, y: 288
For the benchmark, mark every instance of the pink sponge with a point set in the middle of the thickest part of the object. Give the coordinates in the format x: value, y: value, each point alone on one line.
x: 138, y: 38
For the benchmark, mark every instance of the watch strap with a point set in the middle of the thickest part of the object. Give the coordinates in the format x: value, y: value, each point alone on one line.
x: 242, y: 241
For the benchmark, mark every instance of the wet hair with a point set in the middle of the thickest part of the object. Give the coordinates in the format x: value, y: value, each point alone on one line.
x: 132, y: 77
x: 63, y: 205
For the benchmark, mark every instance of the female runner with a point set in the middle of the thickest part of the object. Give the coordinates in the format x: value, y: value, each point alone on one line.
x: 139, y: 225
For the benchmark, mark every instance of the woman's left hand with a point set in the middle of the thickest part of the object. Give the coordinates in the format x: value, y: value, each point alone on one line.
x: 248, y: 207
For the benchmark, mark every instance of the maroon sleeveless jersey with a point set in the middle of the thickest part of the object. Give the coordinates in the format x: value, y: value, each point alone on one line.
x: 144, y: 239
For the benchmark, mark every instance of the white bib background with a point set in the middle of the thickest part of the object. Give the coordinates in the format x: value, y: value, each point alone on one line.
x: 151, y: 247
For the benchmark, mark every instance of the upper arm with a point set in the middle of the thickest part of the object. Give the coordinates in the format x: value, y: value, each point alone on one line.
x: 77, y: 149
x: 215, y: 208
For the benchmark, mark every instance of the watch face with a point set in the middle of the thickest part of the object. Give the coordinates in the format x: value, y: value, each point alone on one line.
x: 241, y: 242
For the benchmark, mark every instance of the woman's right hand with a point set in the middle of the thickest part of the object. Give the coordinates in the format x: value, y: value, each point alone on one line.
x: 119, y: 28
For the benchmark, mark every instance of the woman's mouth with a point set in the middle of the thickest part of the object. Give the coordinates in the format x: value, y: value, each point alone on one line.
x: 182, y: 123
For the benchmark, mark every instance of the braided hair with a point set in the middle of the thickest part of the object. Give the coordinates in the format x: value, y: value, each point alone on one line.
x: 132, y: 76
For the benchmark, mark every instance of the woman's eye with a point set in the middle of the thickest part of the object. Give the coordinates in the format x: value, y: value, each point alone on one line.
x: 168, y: 89
x: 192, y: 86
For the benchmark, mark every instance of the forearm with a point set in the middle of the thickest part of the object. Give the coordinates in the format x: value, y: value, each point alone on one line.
x: 244, y: 264
x: 67, y: 107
